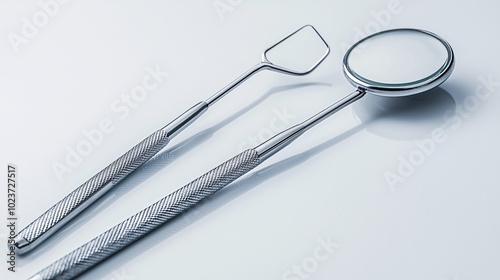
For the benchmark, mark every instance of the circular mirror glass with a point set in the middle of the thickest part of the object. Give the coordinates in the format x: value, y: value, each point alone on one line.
x: 405, y: 61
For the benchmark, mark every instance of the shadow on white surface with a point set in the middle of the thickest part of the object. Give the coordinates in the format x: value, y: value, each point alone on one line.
x: 411, y: 112
x: 405, y: 118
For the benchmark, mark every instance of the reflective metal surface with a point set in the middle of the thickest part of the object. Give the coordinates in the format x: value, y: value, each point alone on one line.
x: 422, y: 83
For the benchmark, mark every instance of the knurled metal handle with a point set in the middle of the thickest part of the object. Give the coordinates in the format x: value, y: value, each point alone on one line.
x: 84, y: 195
x: 149, y: 219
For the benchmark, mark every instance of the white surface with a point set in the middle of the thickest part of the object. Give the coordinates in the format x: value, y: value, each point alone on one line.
x: 75, y: 72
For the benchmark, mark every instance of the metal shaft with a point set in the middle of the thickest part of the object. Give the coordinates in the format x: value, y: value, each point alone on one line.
x: 284, y: 138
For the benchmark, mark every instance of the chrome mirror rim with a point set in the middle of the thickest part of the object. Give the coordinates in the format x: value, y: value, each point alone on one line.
x: 405, y: 89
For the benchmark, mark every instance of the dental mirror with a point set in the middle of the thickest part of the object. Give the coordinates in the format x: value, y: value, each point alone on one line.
x: 399, y: 62
x: 392, y: 63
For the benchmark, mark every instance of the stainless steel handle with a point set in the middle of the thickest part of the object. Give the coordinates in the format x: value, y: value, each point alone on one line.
x: 149, y: 219
x: 88, y: 192
x: 74, y: 203
x: 79, y: 199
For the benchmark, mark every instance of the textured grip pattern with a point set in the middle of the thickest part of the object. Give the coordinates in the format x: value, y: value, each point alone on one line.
x: 113, y: 173
x: 150, y: 218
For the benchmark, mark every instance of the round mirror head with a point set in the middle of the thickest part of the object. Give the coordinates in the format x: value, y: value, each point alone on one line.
x: 399, y: 62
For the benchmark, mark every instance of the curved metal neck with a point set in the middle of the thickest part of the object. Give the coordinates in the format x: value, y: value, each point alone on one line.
x: 332, y: 109
x: 281, y: 140
x: 221, y: 93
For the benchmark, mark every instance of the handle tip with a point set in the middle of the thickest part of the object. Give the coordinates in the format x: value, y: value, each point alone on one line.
x: 22, y: 245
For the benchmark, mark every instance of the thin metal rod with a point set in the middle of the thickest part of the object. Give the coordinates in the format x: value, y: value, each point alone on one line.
x: 281, y: 140
x: 221, y: 93
x: 319, y: 117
